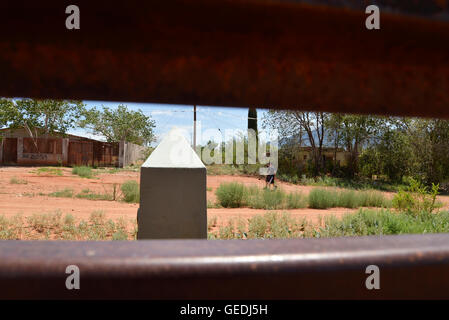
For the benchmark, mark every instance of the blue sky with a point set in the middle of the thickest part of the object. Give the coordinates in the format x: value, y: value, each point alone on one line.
x: 181, y: 116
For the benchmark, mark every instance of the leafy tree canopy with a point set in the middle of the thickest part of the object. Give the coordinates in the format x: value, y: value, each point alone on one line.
x: 119, y: 124
x: 49, y: 115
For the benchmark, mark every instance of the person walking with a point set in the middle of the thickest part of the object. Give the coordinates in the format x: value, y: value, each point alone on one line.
x: 271, y: 173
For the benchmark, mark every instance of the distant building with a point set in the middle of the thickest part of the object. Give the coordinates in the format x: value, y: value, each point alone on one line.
x: 304, y: 154
x: 18, y: 147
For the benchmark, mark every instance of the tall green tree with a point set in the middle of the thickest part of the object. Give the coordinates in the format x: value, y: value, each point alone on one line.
x: 430, y: 140
x: 252, y: 125
x: 355, y: 132
x: 309, y: 127
x: 43, y: 116
x: 252, y: 119
x: 119, y: 124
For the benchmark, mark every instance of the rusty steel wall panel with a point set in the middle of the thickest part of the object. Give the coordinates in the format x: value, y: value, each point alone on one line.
x: 80, y: 153
x: 93, y: 153
x: 105, y: 154
x: 411, y: 266
x: 44, y: 145
x: 308, y: 55
x: 10, y: 151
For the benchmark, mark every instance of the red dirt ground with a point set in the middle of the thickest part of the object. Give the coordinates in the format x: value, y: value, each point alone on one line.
x: 31, y: 198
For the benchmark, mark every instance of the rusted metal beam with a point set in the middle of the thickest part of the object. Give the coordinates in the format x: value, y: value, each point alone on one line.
x: 281, y: 54
x: 411, y: 266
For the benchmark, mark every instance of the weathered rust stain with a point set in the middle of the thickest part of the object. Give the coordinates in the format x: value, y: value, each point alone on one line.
x: 279, y: 54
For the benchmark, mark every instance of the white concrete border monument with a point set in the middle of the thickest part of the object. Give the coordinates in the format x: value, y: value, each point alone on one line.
x: 172, y: 192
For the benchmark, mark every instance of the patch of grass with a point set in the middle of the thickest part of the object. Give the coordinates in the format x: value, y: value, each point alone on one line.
x: 263, y: 198
x: 66, y: 193
x: 208, y: 189
x: 211, y: 223
x: 83, y: 172
x: 321, y: 198
x: 108, y: 170
x: 90, y: 195
x: 235, y: 195
x: 361, y: 184
x: 11, y: 228
x: 366, y: 222
x: 49, y: 171
x: 231, y: 195
x: 384, y: 222
x: 45, y: 222
x: 274, y: 199
x: 131, y: 192
x: 15, y: 180
x: 212, y: 205
x: 416, y: 198
x: 271, y: 225
x: 296, y: 200
x: 56, y: 227
x: 355, y: 184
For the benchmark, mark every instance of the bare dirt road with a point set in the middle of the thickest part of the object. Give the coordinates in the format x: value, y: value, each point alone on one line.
x: 30, y: 195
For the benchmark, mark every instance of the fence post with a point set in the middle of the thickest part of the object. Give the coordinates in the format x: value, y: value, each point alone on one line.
x: 172, y: 192
x: 1, y: 148
x: 19, y: 150
x: 121, y: 154
x: 65, y: 151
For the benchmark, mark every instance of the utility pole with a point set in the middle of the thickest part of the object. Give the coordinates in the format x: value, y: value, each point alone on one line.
x: 194, y: 127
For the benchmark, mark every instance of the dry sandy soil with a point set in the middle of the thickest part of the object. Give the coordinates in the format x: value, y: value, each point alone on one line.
x: 32, y: 197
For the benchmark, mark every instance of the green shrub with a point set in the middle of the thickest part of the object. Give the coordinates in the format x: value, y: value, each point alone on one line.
x: 383, y: 222
x: 273, y: 199
x: 416, y: 198
x: 49, y: 171
x: 54, y: 226
x: 211, y: 223
x: 234, y: 195
x: 296, y: 200
x: 97, y: 217
x: 257, y: 227
x: 43, y: 222
x: 375, y: 199
x: 15, y: 180
x: 322, y: 198
x: 84, y: 172
x: 66, y: 193
x: 273, y: 225
x: 88, y: 194
x: 230, y: 195
x: 120, y: 235
x: 227, y: 232
x: 131, y: 191
x: 347, y: 199
x: 211, y: 204
x: 69, y: 219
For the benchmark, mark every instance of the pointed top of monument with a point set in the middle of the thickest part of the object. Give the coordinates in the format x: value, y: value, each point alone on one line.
x: 174, y: 151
